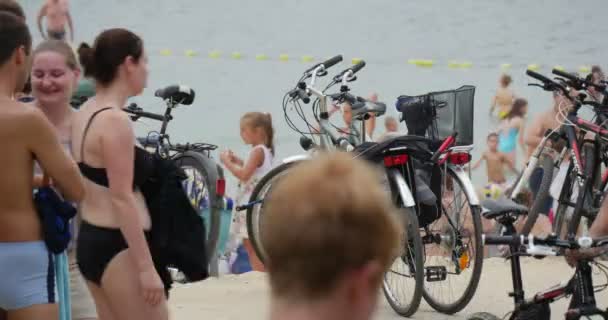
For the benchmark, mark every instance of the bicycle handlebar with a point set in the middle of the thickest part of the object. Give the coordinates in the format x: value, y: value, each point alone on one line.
x: 349, y: 72
x: 332, y: 61
x: 577, y: 82
x: 552, y: 241
x: 140, y: 113
x: 550, y: 85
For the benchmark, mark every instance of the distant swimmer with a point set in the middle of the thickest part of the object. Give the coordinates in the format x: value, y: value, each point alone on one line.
x: 57, y: 16
x: 504, y: 97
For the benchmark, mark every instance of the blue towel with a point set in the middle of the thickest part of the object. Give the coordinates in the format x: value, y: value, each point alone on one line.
x: 62, y: 273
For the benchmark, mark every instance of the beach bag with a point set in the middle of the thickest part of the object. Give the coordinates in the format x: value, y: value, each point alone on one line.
x: 178, y: 231
x: 55, y: 214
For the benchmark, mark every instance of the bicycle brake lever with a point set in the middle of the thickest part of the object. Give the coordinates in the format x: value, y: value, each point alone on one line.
x: 535, y: 85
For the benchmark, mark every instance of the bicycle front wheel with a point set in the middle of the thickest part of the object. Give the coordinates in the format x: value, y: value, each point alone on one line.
x: 200, y: 187
x: 542, y: 196
x: 256, y: 212
x: 453, y: 250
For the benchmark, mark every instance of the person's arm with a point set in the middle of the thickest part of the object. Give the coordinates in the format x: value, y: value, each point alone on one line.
x: 493, y: 104
x: 370, y: 125
x: 522, y: 132
x: 52, y: 157
x: 71, y: 25
x: 235, y: 159
x: 534, y: 134
x: 478, y: 163
x: 118, y: 150
x: 41, y: 15
x: 244, y: 173
x: 509, y: 163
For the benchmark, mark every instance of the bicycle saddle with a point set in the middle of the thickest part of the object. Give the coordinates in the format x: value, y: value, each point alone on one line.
x: 177, y: 93
x: 501, y: 207
x: 363, y: 106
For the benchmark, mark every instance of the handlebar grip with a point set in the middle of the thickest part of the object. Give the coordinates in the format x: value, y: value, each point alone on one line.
x: 538, y: 76
x: 566, y: 75
x: 332, y: 61
x: 358, y: 66
x: 500, y: 240
x: 144, y: 114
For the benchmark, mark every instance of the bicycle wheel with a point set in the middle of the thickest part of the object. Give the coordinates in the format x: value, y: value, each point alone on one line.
x: 453, y: 250
x: 584, y: 199
x: 200, y: 187
x: 407, y: 267
x: 539, y: 204
x: 482, y: 316
x: 255, y: 213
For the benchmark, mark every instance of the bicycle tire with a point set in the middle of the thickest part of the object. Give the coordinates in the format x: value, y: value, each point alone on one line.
x: 204, y: 166
x: 471, y: 288
x: 482, y: 316
x: 413, y: 232
x: 254, y: 213
x: 546, y: 163
x: 588, y: 154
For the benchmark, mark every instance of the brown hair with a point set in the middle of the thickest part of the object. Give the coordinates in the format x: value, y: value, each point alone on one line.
x: 14, y: 33
x: 109, y: 51
x: 506, y: 80
x: 60, y: 47
x: 517, y: 110
x: 343, y: 223
x: 492, y: 135
x: 13, y: 7
x: 264, y: 121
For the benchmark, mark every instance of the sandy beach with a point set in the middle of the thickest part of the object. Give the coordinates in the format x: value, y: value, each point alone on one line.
x: 246, y: 296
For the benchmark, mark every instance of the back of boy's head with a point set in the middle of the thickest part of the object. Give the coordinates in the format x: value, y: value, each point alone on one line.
x: 325, y: 218
x: 13, y: 7
x: 14, y: 33
x: 492, y: 135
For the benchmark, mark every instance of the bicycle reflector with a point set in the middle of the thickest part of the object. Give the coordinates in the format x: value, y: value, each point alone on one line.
x: 459, y: 158
x: 220, y: 187
x: 395, y: 160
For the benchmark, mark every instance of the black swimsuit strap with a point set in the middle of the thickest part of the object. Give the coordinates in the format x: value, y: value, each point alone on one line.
x: 86, y: 129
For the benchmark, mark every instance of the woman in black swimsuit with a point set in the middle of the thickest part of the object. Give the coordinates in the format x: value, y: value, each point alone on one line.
x: 112, y: 249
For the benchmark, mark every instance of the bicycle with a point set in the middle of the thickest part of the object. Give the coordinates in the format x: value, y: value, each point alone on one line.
x: 205, y: 185
x: 398, y: 156
x: 582, y: 168
x: 583, y: 304
x: 451, y: 226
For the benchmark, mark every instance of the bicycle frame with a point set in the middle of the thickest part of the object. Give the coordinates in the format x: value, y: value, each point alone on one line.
x: 580, y: 287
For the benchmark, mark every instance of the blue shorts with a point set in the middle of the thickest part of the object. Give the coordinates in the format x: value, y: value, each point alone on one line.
x: 28, y: 275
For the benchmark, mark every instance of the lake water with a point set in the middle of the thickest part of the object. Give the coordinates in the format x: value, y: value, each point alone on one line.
x: 385, y: 33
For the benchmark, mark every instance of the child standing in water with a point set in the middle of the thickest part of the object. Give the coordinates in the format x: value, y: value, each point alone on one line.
x: 511, y: 130
x: 504, y: 97
x: 257, y: 131
x: 495, y: 162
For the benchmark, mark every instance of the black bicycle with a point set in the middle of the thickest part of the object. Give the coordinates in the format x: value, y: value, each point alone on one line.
x: 205, y: 185
x: 581, y: 288
x: 582, y: 189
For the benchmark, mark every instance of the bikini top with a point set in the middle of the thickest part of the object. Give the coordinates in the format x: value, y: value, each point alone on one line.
x: 142, y: 168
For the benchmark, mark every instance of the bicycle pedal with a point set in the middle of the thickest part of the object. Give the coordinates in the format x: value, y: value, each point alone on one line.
x: 436, y: 273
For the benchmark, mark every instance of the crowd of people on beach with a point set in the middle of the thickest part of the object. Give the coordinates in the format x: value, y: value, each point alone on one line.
x: 91, y: 158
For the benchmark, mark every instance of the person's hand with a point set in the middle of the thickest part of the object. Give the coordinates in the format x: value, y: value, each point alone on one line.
x: 573, y: 256
x: 151, y: 286
x: 225, y: 156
